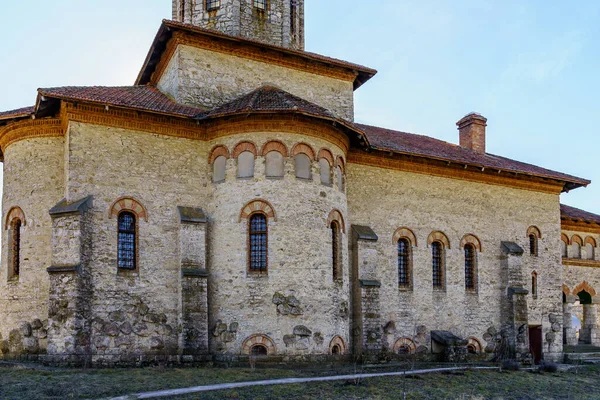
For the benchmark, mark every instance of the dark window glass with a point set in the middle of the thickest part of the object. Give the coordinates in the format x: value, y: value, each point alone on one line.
x: 335, y: 350
x: 260, y: 4
x: 126, y: 246
x: 213, y: 5
x: 335, y: 247
x: 403, y: 262
x: 293, y: 11
x: 437, y: 251
x: 259, y: 350
x: 258, y: 242
x: 469, y: 267
x: 15, y: 247
x: 532, y: 244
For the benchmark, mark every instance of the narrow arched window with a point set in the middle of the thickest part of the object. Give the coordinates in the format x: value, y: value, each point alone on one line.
x: 246, y: 165
x: 302, y: 166
x: 576, y: 248
x: 589, y: 251
x: 336, y: 249
x: 182, y: 10
x: 437, y: 258
x: 470, y: 267
x: 533, y: 245
x: 340, y: 178
x: 403, y: 263
x: 274, y: 164
x: 258, y: 243
x: 15, y: 249
x: 212, y: 5
x: 563, y: 249
x: 219, y: 167
x: 325, y: 171
x: 534, y: 285
x: 127, y: 241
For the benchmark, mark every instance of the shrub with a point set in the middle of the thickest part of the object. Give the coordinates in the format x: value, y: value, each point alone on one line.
x: 548, y: 366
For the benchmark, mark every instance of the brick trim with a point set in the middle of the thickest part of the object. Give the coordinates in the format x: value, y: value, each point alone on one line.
x: 473, y: 341
x: 30, y: 129
x: 471, y: 239
x: 243, y: 146
x: 566, y: 290
x: 303, y: 148
x: 14, y: 212
x: 404, y: 341
x: 584, y: 286
x: 128, y: 204
x: 218, y: 151
x: 257, y: 205
x: 339, y: 162
x: 326, y: 154
x: 577, y: 239
x: 337, y: 340
x: 405, y: 233
x: 274, y: 145
x: 438, y: 236
x: 565, y: 239
x: 591, y: 240
x: 336, y: 215
x: 535, y: 231
x: 259, y: 339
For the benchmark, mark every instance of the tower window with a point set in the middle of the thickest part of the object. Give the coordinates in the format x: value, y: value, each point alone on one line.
x: 437, y: 258
x: 470, y: 267
x: 403, y: 263
x: 127, y: 241
x: 212, y: 5
x: 293, y: 16
x: 15, y: 248
x: 261, y: 4
x: 533, y: 246
x: 336, y: 250
x: 258, y: 243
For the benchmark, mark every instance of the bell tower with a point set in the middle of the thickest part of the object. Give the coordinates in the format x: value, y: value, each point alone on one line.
x: 276, y: 22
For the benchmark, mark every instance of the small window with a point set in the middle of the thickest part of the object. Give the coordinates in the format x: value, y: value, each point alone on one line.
x: 260, y: 4
x: 246, y: 165
x: 534, y: 285
x: 533, y: 245
x: 437, y: 258
x: 336, y: 350
x: 212, y: 5
x: 258, y: 243
x: 259, y: 351
x: 302, y: 166
x: 470, y: 267
x: 563, y: 249
x: 127, y: 241
x: 404, y: 263
x: 219, y: 168
x: 325, y: 171
x: 336, y: 250
x: 293, y: 17
x: 340, y: 178
x: 274, y: 164
x: 15, y: 249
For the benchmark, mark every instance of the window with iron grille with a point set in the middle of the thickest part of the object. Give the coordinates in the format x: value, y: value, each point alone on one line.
x: 15, y: 248
x: 403, y: 262
x: 258, y: 243
x: 470, y: 267
x: 127, y: 241
x: 437, y: 253
x: 212, y: 5
x: 336, y: 247
x: 533, y: 245
x: 261, y: 4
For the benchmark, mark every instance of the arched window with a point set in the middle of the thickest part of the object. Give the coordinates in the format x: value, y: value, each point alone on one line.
x: 325, y: 171
x: 258, y: 232
x: 302, y: 162
x: 336, y: 247
x: 404, y: 248
x: 437, y: 259
x: 212, y: 5
x: 470, y: 267
x: 563, y: 249
x: 534, y: 285
x: 533, y: 245
x: 127, y: 240
x: 258, y: 350
x: 15, y: 249
x: 576, y: 250
x: 589, y: 251
x: 274, y: 164
x: 340, y: 178
x: 219, y: 166
x: 246, y: 165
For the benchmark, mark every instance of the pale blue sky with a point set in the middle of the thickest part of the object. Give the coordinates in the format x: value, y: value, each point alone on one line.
x: 531, y: 67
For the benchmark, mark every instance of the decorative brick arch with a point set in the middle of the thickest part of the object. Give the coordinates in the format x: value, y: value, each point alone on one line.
x: 128, y: 204
x: 262, y: 340
x: 337, y: 341
x: 14, y: 212
x: 438, y: 236
x: 407, y: 343
x: 591, y: 240
x: 535, y: 231
x: 584, y: 286
x: 274, y: 145
x: 326, y: 154
x: 565, y: 239
x: 470, y: 239
x: 304, y: 149
x: 474, y: 343
x: 566, y: 290
x: 577, y: 239
x: 336, y: 215
x: 404, y: 233
x: 339, y: 162
x: 258, y: 205
x: 218, y: 151
x: 242, y: 147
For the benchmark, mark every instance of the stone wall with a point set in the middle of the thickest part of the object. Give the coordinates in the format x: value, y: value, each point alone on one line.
x: 206, y: 78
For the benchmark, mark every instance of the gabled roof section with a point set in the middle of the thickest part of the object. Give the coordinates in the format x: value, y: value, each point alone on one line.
x: 578, y: 215
x: 424, y: 146
x: 168, y: 27
x: 142, y: 98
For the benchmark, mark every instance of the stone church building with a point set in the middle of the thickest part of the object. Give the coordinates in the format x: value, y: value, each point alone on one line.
x: 227, y: 205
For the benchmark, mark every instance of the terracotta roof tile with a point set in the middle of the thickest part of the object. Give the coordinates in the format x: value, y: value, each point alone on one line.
x: 409, y: 143
x: 19, y: 112
x: 145, y: 98
x: 577, y: 214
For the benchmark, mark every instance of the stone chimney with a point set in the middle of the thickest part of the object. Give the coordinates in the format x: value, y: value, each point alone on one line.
x: 471, y: 130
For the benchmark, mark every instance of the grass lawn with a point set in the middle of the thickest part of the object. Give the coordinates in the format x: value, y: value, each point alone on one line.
x: 20, y: 383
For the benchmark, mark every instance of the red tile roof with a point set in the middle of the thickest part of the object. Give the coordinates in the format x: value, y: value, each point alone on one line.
x: 409, y: 143
x: 143, y: 98
x: 576, y: 214
x: 19, y: 112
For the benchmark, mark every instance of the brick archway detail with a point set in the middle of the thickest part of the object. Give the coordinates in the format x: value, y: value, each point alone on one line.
x: 577, y: 239
x: 218, y: 151
x: 326, y: 154
x: 242, y: 147
x: 303, y: 148
x: 535, y: 231
x: 339, y: 162
x: 274, y: 145
x: 337, y: 340
x: 473, y: 341
x: 471, y: 239
x: 584, y: 286
x: 591, y: 240
x: 438, y: 237
x: 14, y: 212
x: 336, y: 215
x: 128, y: 204
x: 405, y: 342
x: 565, y: 239
x: 404, y: 233
x: 259, y: 339
x: 566, y: 290
x: 259, y: 205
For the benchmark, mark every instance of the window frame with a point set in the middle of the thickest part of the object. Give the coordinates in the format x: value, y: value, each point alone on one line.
x: 15, y: 249
x: 257, y: 5
x: 250, y: 269
x: 336, y: 250
x: 209, y: 5
x: 534, y: 285
x: 408, y: 263
x: 441, y: 286
x: 533, y: 244
x: 135, y: 233
x: 470, y: 270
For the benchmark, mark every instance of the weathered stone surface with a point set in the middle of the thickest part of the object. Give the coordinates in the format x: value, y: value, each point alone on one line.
x: 278, y: 298
x: 36, y: 324
x: 124, y: 341
x: 318, y: 338
x: 233, y: 327
x: 301, y: 330
x: 111, y: 329
x: 30, y: 345
x: 4, y: 346
x: 25, y: 329
x: 156, y: 343
x: 117, y: 316
x: 126, y: 328
x: 289, y: 340
x: 102, y: 342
